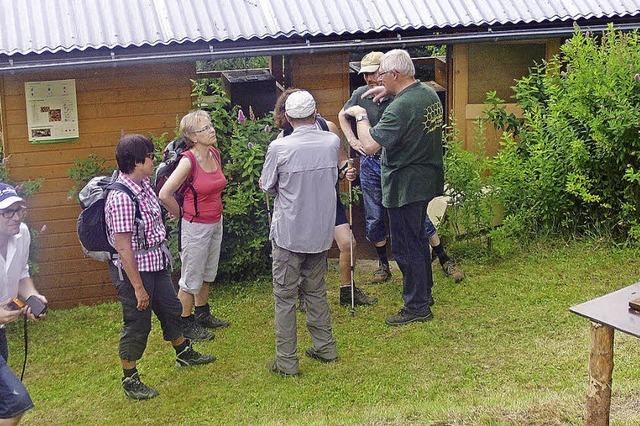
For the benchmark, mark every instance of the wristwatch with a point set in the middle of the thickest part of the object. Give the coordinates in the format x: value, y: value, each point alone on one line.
x: 361, y: 117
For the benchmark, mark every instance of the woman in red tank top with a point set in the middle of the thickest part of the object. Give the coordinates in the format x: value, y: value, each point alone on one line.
x: 199, y: 175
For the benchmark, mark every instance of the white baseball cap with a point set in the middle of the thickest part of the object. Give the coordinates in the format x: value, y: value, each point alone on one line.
x: 300, y: 104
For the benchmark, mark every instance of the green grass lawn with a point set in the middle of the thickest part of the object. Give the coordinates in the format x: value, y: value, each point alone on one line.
x: 502, y: 349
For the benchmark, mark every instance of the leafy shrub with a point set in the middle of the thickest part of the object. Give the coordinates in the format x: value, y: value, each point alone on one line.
x: 472, y: 204
x: 83, y: 170
x: 572, y: 164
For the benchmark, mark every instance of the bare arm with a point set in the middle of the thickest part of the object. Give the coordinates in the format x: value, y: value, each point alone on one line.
x: 124, y: 247
x: 345, y: 125
x: 342, y: 153
x: 365, y: 142
x: 172, y: 184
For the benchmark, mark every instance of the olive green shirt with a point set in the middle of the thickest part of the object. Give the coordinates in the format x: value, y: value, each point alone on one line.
x: 410, y: 132
x: 374, y: 109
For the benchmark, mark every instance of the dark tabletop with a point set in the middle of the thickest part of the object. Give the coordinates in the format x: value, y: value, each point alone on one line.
x: 613, y: 309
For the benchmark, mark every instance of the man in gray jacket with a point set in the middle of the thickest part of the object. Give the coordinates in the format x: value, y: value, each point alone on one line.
x: 300, y: 171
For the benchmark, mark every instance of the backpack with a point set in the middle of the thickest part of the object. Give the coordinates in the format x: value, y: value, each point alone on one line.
x: 91, y: 225
x: 172, y: 154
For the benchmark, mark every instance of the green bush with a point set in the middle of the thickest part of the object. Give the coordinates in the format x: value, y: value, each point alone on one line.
x: 572, y: 164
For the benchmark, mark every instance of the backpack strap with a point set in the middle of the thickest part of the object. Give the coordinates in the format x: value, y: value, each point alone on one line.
x: 322, y: 123
x: 188, y: 183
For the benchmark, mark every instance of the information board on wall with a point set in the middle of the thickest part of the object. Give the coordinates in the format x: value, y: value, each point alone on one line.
x: 52, y: 111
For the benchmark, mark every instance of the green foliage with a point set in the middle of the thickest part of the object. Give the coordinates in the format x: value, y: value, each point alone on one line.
x: 234, y: 64
x: 246, y: 229
x: 83, y: 170
x: 472, y: 203
x: 571, y: 165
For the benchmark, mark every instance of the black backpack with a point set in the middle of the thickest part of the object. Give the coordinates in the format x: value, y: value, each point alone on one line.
x: 170, y: 158
x: 91, y: 225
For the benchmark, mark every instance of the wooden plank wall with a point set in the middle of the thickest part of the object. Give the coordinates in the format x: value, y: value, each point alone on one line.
x: 478, y: 68
x: 142, y: 99
x: 326, y: 77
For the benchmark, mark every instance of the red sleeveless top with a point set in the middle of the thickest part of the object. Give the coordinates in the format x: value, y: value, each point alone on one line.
x: 208, y: 187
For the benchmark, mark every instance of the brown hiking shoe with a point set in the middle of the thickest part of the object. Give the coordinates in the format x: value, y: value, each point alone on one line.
x: 452, y: 270
x: 381, y: 274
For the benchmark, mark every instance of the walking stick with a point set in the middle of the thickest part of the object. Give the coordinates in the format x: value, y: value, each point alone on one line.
x: 266, y: 200
x: 351, y: 266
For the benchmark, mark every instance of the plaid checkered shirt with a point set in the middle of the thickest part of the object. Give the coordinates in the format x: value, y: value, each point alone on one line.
x: 120, y: 217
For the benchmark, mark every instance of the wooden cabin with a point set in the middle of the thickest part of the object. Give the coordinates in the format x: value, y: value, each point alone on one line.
x: 132, y: 74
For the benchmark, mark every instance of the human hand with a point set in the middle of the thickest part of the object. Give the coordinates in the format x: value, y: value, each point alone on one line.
x: 142, y: 297
x: 379, y: 93
x: 351, y: 174
x: 355, y: 111
x: 9, y: 315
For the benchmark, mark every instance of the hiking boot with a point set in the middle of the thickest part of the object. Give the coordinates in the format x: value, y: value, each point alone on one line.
x: 452, y: 270
x: 359, y: 297
x: 189, y: 357
x: 311, y: 353
x: 194, y: 332
x: 403, y: 317
x: 209, y: 321
x: 273, y: 367
x: 381, y: 274
x: 135, y: 389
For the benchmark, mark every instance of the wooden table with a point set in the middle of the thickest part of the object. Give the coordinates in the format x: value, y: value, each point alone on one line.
x: 607, y: 313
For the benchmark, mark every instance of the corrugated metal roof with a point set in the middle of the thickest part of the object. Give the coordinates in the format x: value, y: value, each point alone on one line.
x: 37, y: 26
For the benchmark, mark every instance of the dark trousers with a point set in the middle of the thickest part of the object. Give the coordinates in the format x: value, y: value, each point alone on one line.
x: 410, y: 248
x: 4, y: 347
x: 14, y: 398
x: 163, y: 301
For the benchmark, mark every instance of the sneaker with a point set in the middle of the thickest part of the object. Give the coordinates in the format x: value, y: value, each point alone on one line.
x: 189, y: 357
x: 193, y: 331
x: 209, y: 321
x: 381, y: 274
x: 311, y: 353
x: 403, y: 317
x: 273, y: 367
x: 452, y: 270
x: 135, y: 389
x: 360, y: 298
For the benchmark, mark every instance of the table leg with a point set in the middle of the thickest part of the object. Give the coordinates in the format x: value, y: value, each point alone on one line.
x: 600, y: 369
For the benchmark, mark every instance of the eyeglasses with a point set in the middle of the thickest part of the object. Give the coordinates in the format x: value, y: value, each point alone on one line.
x: 151, y: 156
x: 206, y: 128
x: 380, y: 74
x: 9, y: 214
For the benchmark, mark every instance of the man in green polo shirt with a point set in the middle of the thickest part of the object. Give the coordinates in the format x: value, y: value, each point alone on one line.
x: 410, y: 135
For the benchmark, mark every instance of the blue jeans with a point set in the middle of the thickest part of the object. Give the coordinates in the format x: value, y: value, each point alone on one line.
x: 371, y: 186
x: 411, y: 251
x: 14, y: 398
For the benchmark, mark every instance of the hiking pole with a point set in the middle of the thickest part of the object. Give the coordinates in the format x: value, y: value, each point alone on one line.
x: 266, y: 201
x: 351, y: 266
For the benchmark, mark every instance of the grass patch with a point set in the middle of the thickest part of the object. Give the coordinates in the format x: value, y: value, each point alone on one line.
x: 502, y: 349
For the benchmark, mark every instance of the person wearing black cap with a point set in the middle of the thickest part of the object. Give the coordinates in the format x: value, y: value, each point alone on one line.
x: 15, y: 283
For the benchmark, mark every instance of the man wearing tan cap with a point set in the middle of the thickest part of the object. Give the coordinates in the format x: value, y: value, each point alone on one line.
x: 300, y: 171
x: 370, y: 182
x: 375, y: 230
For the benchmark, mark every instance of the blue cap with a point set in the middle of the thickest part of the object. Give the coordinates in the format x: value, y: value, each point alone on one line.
x: 8, y: 196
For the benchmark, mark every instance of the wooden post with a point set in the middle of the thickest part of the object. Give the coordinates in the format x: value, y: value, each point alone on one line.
x: 600, y: 369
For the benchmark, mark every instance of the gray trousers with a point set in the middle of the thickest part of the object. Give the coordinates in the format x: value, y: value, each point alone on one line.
x: 308, y: 271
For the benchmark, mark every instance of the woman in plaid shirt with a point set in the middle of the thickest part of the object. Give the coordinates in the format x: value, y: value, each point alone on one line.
x: 140, y: 273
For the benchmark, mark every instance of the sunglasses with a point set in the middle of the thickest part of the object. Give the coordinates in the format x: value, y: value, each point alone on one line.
x: 9, y: 214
